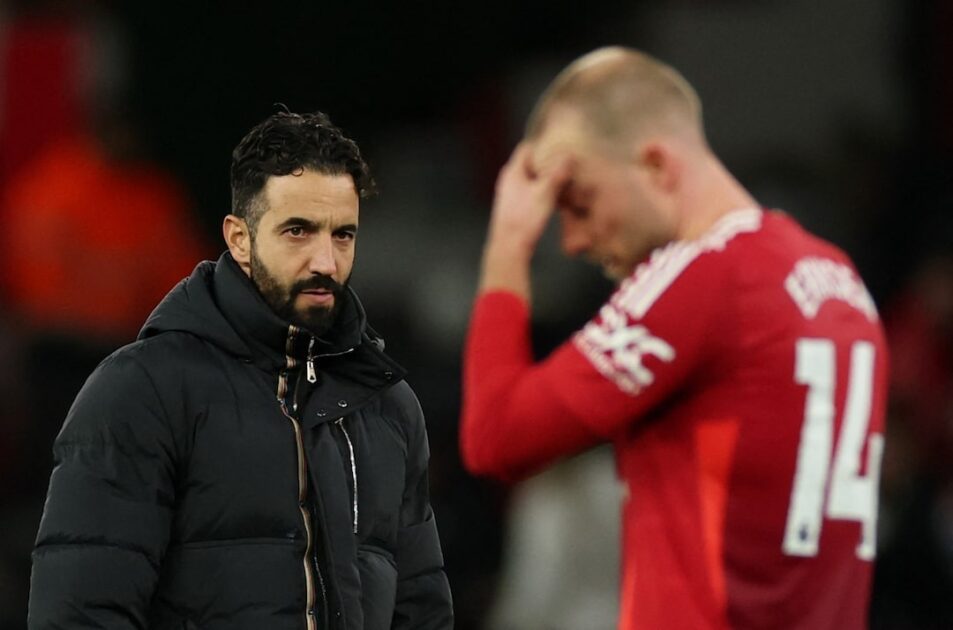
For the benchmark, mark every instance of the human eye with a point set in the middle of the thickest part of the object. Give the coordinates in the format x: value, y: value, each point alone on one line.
x: 575, y: 201
x: 574, y: 211
x: 295, y: 231
x: 345, y: 235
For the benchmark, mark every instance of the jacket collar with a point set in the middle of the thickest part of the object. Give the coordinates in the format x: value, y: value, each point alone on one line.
x: 275, y: 344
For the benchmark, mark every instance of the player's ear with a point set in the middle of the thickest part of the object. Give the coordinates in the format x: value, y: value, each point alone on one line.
x: 238, y: 239
x: 661, y: 164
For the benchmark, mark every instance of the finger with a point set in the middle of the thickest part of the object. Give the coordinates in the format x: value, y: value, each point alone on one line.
x: 516, y: 157
x: 525, y: 157
x: 557, y: 175
x: 513, y: 164
x: 514, y: 167
x: 516, y: 171
x: 521, y: 151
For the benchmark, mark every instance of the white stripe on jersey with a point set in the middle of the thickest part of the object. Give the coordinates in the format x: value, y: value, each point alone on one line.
x: 616, y: 346
x: 650, y: 280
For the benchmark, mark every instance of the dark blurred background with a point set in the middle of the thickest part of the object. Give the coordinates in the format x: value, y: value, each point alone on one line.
x: 117, y: 120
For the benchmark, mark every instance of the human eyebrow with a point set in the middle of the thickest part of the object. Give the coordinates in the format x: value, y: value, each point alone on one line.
x: 298, y: 222
x: 350, y: 228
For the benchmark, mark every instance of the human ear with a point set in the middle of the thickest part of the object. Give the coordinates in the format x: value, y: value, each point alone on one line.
x: 661, y: 165
x: 238, y: 239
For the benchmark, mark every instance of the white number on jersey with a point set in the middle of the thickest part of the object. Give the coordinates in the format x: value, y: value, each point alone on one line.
x: 849, y: 495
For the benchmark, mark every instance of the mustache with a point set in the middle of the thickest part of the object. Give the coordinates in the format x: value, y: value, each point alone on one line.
x: 317, y: 281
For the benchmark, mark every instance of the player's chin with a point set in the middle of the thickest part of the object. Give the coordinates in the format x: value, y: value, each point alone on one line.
x: 616, y: 270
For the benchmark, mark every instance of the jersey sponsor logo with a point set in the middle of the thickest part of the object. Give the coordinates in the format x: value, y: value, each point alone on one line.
x: 618, y: 349
x: 813, y: 281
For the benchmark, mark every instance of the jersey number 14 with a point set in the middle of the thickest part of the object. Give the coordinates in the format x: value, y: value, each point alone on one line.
x: 834, y: 487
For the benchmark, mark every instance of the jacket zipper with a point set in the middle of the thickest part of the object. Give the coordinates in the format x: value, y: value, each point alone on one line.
x: 309, y: 364
x: 310, y: 621
x: 350, y: 449
x: 324, y: 590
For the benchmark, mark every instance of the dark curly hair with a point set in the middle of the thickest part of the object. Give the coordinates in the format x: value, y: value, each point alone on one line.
x: 285, y: 143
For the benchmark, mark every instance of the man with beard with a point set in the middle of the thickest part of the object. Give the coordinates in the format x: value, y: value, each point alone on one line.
x: 254, y: 460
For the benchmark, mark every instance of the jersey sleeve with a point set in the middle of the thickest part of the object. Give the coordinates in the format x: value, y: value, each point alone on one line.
x: 646, y: 342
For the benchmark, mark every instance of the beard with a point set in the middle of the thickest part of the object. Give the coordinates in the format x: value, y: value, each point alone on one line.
x: 318, y: 320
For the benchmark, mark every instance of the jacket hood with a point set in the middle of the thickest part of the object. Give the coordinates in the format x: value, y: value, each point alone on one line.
x: 219, y: 303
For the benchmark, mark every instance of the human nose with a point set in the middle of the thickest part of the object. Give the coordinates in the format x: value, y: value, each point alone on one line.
x: 321, y: 259
x: 575, y: 239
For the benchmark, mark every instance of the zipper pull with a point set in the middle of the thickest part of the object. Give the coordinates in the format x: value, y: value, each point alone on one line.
x: 312, y: 375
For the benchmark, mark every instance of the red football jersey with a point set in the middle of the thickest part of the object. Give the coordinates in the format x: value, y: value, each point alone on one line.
x: 742, y: 378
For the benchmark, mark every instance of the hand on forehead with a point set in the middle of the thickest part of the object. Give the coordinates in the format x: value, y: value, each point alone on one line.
x: 563, y: 136
x: 545, y: 158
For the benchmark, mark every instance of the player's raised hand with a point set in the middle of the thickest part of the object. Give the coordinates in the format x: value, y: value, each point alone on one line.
x: 525, y: 198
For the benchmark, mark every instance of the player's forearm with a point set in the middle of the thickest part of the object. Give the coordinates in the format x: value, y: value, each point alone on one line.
x: 506, y: 267
x: 522, y: 206
x: 513, y: 423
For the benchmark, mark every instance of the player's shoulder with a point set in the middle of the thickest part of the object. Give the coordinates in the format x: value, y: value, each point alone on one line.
x: 813, y: 270
x: 776, y: 249
x: 733, y: 236
x: 780, y: 236
x: 688, y: 266
x: 746, y: 257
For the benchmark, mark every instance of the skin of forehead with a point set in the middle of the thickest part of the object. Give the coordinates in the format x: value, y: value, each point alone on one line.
x: 323, y: 190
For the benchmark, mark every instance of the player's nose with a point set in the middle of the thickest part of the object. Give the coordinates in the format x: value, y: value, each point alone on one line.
x: 575, y: 240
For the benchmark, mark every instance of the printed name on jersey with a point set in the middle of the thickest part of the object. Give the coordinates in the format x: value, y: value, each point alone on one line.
x: 813, y: 281
x: 617, y: 349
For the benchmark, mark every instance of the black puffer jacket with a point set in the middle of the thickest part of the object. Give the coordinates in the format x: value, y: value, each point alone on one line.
x: 203, y: 481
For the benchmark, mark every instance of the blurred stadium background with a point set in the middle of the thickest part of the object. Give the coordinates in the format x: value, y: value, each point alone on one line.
x: 117, y: 120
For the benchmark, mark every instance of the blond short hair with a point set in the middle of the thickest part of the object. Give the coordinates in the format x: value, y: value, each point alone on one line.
x: 622, y: 94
